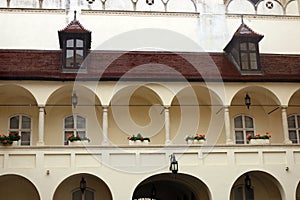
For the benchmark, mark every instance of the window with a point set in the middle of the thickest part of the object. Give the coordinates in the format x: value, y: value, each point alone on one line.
x: 22, y: 124
x: 88, y: 195
x: 243, y: 125
x: 74, y: 125
x: 294, y: 128
x: 74, y: 53
x: 249, y: 56
x: 75, y: 42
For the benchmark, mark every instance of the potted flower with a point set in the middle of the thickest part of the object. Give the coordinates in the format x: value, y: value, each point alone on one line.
x: 139, y: 139
x: 5, y: 140
x: 75, y: 140
x: 259, y: 138
x: 197, y: 139
x: 11, y: 139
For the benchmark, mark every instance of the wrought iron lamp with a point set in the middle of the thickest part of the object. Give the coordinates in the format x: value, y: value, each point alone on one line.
x: 74, y: 100
x: 247, y: 101
x: 173, y: 164
x: 248, y: 182
x: 82, y: 185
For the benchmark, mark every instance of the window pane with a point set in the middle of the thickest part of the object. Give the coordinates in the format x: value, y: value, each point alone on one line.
x: 243, y: 46
x: 69, y: 122
x: 26, y: 122
x: 70, y: 58
x: 70, y: 43
x: 238, y: 123
x: 25, y: 138
x: 239, y: 137
x: 248, y: 122
x: 76, y: 195
x: 80, y: 122
x: 291, y: 122
x: 293, y: 136
x: 298, y: 120
x: 252, y: 47
x: 253, y: 61
x: 244, y: 60
x: 14, y: 122
x: 238, y: 193
x: 89, y: 195
x: 81, y: 134
x: 79, y: 57
x: 79, y: 43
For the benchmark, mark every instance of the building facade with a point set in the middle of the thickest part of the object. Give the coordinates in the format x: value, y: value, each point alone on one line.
x: 210, y: 87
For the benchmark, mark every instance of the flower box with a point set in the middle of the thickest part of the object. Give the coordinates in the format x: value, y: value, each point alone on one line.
x: 138, y: 142
x: 199, y: 141
x: 259, y: 141
x: 78, y: 143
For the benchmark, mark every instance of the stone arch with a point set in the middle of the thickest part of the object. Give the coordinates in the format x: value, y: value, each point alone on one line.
x: 197, y: 110
x: 136, y: 109
x: 59, y: 105
x: 264, y: 185
x: 292, y: 8
x: 170, y: 186
x: 24, y: 95
x: 277, y: 9
x: 264, y: 108
x: 68, y: 185
x: 234, y: 6
x: 26, y: 190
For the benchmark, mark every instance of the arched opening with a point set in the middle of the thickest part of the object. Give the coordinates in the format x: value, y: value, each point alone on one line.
x: 170, y: 186
x: 82, y: 186
x: 18, y: 187
x: 256, y: 185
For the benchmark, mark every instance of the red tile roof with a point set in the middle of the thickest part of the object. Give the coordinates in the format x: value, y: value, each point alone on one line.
x: 109, y: 65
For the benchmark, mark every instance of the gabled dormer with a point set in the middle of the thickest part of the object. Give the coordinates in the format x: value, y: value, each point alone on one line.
x: 75, y: 43
x: 243, y: 50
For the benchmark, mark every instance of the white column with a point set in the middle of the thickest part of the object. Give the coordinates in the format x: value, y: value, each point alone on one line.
x: 285, y: 125
x: 227, y: 125
x: 167, y: 125
x: 104, y: 125
x: 41, y: 126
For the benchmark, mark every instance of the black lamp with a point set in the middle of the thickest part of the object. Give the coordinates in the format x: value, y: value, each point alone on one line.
x: 247, y: 101
x: 173, y: 164
x: 153, y: 193
x: 150, y: 2
x: 74, y: 100
x: 248, y: 182
x: 82, y: 185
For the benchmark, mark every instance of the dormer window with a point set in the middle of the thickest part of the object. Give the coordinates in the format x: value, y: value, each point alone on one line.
x: 249, y: 55
x: 75, y: 42
x: 243, y: 50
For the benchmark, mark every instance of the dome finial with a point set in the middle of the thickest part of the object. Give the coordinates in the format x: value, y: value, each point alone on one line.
x: 75, y: 15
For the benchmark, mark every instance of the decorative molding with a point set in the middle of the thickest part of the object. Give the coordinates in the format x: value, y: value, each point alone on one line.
x: 140, y: 13
x: 32, y: 10
x: 256, y: 16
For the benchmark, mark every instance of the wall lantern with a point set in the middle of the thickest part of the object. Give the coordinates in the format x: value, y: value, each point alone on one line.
x: 74, y: 100
x: 173, y: 164
x: 82, y: 185
x: 247, y: 101
x: 150, y: 2
x: 248, y: 182
x: 153, y: 193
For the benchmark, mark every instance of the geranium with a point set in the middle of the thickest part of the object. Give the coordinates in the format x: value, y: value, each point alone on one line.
x: 199, y: 136
x: 14, y: 136
x: 138, y: 137
x: 258, y: 136
x: 72, y: 137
